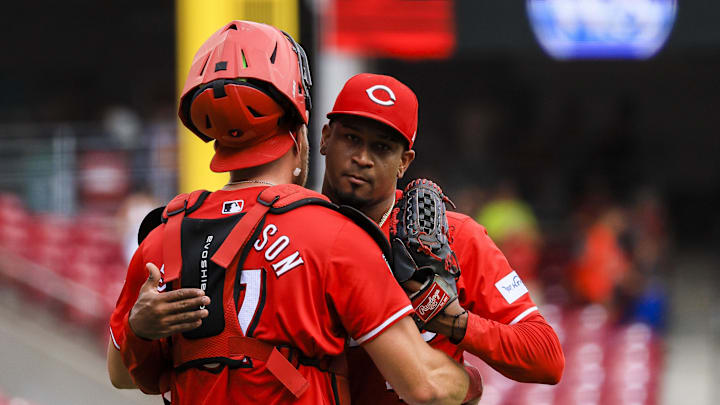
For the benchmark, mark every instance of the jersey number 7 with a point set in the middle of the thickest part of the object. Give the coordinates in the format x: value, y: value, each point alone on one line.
x: 253, y: 301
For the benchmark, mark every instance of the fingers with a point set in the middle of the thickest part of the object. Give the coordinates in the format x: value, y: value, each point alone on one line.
x: 183, y: 294
x: 170, y: 325
x: 185, y: 321
x: 182, y: 327
x: 185, y: 327
x: 186, y: 305
x: 153, y: 275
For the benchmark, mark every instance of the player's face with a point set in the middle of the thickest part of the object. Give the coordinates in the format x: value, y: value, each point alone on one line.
x: 363, y: 160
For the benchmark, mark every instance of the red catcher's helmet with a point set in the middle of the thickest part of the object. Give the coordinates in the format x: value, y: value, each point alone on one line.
x: 248, y: 86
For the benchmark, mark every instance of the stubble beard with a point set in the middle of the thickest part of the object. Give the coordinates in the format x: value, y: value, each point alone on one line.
x: 350, y: 198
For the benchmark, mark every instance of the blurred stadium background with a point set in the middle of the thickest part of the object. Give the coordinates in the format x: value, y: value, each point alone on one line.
x: 582, y: 133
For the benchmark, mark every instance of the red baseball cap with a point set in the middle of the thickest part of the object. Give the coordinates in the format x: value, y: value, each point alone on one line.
x: 381, y: 98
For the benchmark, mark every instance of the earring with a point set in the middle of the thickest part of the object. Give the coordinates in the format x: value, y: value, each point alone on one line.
x: 296, y: 172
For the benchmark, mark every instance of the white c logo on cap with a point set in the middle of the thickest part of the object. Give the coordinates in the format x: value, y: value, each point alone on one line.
x: 371, y: 93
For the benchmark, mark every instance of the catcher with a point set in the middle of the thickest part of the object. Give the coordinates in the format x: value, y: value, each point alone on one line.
x: 466, y: 295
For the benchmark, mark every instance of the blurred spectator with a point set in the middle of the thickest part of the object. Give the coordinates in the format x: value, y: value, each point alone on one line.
x: 601, y: 264
x: 620, y: 259
x: 511, y: 223
x: 649, y: 232
x: 645, y: 298
x: 123, y: 125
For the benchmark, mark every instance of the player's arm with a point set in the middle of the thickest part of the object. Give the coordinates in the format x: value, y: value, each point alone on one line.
x: 524, y: 348
x: 528, y: 351
x: 161, y: 315
x: 380, y: 322
x: 418, y: 373
x: 153, y: 317
x: 119, y: 375
x: 136, y: 276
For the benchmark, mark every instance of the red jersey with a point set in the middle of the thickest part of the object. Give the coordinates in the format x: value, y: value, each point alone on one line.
x: 492, y: 293
x: 310, y: 281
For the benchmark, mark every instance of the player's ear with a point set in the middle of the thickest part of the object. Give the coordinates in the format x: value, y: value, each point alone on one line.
x: 323, y: 139
x: 407, y: 157
x: 301, y: 137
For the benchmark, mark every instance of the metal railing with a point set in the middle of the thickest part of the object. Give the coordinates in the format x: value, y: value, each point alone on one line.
x: 54, y: 167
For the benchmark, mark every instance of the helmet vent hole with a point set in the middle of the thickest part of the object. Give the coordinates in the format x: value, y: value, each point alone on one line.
x: 274, y: 54
x: 208, y: 125
x: 254, y: 112
x: 231, y: 27
x: 207, y: 59
x: 221, y: 66
x: 244, y: 60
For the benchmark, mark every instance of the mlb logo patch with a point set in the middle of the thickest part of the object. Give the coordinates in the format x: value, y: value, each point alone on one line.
x: 233, y: 207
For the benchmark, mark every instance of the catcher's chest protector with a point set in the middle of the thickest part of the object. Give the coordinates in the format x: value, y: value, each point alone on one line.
x: 226, y: 242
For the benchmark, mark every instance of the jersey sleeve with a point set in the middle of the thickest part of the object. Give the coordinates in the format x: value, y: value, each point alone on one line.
x: 528, y: 351
x: 136, y: 276
x: 504, y: 326
x: 488, y: 286
x: 361, y: 287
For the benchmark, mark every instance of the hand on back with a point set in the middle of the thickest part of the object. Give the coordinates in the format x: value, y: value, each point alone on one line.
x: 157, y: 315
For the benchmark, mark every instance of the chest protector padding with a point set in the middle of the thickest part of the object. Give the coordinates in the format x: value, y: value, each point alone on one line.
x: 199, y: 241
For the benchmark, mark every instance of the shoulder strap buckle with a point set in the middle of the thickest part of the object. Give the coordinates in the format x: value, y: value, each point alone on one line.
x: 170, y: 211
x: 266, y: 203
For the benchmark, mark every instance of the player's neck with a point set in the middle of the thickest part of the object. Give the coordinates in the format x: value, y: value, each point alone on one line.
x: 276, y: 172
x: 375, y: 211
x: 380, y: 212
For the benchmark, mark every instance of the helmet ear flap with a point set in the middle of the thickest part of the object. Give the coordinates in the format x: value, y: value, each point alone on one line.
x: 185, y: 104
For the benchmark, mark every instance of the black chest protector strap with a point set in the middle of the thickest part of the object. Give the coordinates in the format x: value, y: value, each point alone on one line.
x: 173, y: 215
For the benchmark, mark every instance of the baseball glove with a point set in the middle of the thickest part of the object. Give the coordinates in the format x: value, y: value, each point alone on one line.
x: 421, y: 249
